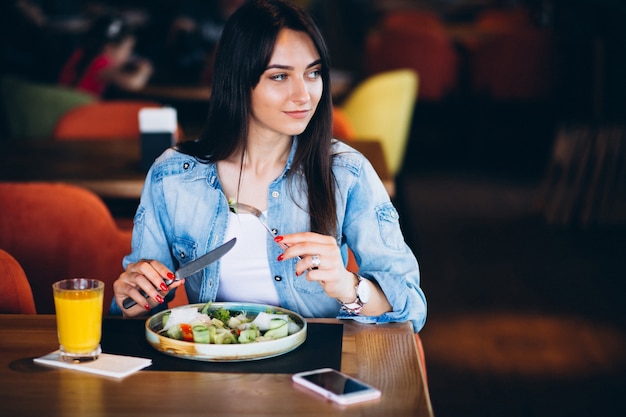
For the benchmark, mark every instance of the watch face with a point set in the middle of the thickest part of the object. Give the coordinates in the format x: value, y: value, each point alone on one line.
x: 363, y: 291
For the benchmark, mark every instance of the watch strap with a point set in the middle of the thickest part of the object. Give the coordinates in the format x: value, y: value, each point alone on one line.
x: 354, y: 308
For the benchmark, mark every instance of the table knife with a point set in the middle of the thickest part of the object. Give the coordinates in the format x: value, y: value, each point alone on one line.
x: 191, y: 268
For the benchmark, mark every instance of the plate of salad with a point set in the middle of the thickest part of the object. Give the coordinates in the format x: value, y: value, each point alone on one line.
x: 226, y: 332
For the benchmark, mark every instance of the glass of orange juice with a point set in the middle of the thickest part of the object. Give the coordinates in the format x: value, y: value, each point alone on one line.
x: 78, y: 305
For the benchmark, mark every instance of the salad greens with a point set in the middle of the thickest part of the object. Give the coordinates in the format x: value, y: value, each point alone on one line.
x: 222, y: 326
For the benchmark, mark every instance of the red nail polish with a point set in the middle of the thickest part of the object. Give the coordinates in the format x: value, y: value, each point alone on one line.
x: 159, y: 299
x: 163, y: 286
x: 147, y: 307
x: 281, y: 257
x: 171, y: 276
x: 278, y: 238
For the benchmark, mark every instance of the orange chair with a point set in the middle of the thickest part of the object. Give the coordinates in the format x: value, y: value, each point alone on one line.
x: 114, y: 119
x: 342, y: 126
x: 58, y: 231
x: 16, y: 296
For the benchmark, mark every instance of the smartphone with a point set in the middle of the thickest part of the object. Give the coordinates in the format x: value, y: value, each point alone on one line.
x: 336, y: 386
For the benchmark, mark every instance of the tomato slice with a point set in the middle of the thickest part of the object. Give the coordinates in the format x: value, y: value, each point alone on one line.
x: 187, y: 332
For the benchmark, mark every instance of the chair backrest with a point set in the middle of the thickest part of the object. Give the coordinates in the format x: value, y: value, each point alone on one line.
x: 342, y: 127
x: 381, y: 108
x: 59, y: 231
x: 424, y: 47
x: 16, y: 296
x: 514, y: 65
x: 114, y: 119
x: 31, y: 110
x: 507, y: 19
x: 412, y: 17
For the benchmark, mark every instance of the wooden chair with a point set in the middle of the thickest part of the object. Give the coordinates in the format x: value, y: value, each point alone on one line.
x: 114, y: 119
x: 381, y: 108
x: 58, y: 231
x: 16, y: 296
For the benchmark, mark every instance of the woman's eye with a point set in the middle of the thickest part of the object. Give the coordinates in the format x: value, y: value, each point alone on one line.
x: 278, y: 77
x: 315, y: 74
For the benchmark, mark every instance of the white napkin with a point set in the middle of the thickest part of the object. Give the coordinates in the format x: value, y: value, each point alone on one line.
x: 115, y: 366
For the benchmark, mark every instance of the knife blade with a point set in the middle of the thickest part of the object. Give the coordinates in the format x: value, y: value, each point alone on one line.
x: 191, y: 268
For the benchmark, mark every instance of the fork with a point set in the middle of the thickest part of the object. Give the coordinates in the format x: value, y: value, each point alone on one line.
x: 237, y: 207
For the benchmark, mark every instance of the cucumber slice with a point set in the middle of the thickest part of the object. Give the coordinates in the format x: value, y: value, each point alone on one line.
x: 279, y: 330
x: 248, y: 335
x: 175, y: 332
x: 201, y: 334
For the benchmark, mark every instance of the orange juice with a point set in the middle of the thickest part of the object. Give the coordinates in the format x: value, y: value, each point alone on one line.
x: 78, y: 305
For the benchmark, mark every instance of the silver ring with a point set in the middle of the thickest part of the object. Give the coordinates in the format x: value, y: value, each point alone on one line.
x: 315, y: 262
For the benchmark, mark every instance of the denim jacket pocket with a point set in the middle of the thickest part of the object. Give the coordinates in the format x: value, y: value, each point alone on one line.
x: 184, y: 251
x: 389, y: 226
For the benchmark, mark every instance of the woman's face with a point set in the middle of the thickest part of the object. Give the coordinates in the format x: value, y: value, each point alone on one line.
x: 285, y: 99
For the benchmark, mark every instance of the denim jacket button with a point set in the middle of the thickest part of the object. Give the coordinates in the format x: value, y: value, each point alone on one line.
x: 278, y: 278
x: 275, y: 194
x: 186, y: 165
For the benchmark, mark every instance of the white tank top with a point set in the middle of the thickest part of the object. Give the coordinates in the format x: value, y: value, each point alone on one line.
x: 245, y: 271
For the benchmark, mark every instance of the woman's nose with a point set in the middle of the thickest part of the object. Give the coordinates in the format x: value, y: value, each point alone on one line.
x: 299, y: 91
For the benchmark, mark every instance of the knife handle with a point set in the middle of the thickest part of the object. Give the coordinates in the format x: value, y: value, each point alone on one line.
x: 129, y: 302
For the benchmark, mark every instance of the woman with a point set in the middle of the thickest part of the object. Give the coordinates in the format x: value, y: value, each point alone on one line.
x: 105, y: 59
x: 267, y: 143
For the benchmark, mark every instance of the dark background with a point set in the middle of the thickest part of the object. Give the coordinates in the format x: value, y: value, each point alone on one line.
x: 526, y: 317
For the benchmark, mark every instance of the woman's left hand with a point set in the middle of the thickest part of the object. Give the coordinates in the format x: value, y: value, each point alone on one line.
x: 321, y: 261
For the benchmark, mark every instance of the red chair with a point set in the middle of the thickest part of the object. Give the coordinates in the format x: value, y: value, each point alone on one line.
x: 498, y: 20
x: 114, y: 119
x: 16, y: 296
x: 513, y: 65
x: 416, y: 42
x: 58, y: 231
x: 416, y: 18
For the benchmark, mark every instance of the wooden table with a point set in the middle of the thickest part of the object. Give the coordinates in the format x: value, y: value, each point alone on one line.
x: 110, y: 168
x: 382, y: 355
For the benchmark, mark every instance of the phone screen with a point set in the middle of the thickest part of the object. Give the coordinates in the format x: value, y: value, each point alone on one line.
x: 336, y: 386
x: 335, y: 382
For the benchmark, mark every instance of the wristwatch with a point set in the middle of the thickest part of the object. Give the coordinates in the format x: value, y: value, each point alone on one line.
x: 362, y: 297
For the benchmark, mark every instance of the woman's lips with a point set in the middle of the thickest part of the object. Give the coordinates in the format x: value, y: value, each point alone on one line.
x: 299, y: 114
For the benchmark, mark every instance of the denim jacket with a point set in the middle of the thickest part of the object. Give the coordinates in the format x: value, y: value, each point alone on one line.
x: 183, y: 214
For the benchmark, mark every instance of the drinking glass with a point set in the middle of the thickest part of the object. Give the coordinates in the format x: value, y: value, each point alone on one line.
x: 78, y: 305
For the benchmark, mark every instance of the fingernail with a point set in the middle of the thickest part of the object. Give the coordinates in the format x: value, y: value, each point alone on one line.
x: 171, y: 276
x: 297, y: 274
x: 281, y: 257
x: 278, y: 238
x: 159, y: 299
x: 163, y: 286
x: 147, y: 307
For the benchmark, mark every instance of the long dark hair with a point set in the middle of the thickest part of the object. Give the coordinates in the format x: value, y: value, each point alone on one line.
x: 105, y: 29
x: 244, y: 51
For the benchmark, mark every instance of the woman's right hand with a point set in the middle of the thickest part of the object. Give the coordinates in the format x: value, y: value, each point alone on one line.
x: 146, y: 275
